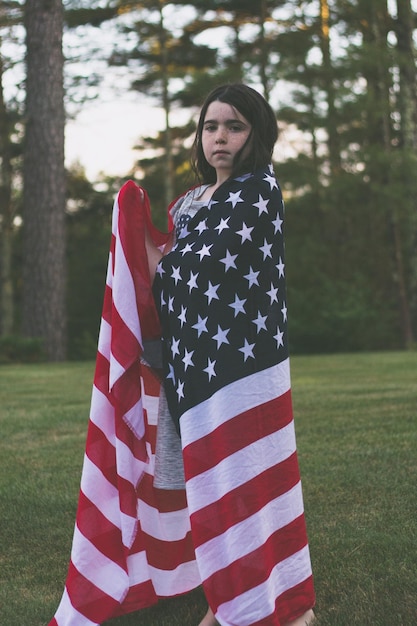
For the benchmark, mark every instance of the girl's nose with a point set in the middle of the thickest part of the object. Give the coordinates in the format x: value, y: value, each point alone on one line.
x: 220, y: 136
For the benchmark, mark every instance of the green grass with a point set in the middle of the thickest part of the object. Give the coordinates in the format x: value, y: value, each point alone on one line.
x: 356, y: 421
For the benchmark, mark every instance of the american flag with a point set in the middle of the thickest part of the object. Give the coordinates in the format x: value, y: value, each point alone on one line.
x: 238, y: 528
x: 222, y: 300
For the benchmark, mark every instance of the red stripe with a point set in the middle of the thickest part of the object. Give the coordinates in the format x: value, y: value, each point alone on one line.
x: 244, y: 501
x: 101, y: 375
x: 101, y: 453
x: 139, y: 597
x: 168, y: 555
x: 236, y: 434
x: 88, y: 599
x: 104, y: 535
x: 254, y: 568
x: 164, y: 500
x: 124, y: 344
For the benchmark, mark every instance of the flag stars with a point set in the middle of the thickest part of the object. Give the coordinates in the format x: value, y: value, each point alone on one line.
x: 273, y: 294
x: 171, y: 304
x: 201, y: 326
x: 192, y: 283
x: 204, y: 251
x: 234, y: 198
x: 262, y: 205
x: 187, y: 248
x: 180, y: 390
x: 229, y: 261
x: 223, y: 224
x: 176, y: 274
x: 284, y: 312
x: 183, y: 315
x: 279, y: 337
x: 211, y: 292
x: 159, y: 269
x: 247, y: 350
x: 252, y: 278
x: 277, y: 222
x: 280, y: 267
x: 210, y: 368
x: 221, y: 336
x: 260, y: 322
x: 175, y: 347
x: 238, y: 305
x: 266, y: 249
x: 272, y: 181
x: 245, y: 233
x: 202, y: 226
x: 188, y: 359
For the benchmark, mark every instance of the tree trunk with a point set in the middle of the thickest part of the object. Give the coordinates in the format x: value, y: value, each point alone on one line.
x: 6, y: 218
x: 44, y: 306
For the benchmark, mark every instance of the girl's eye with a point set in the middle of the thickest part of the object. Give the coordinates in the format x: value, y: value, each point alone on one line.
x: 210, y: 128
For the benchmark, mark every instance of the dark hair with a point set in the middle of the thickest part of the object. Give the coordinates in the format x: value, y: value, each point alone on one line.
x: 263, y: 135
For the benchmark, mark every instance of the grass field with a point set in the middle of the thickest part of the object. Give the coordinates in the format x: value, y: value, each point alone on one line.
x: 356, y: 421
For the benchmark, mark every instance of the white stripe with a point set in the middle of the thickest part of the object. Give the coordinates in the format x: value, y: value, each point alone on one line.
x: 240, y: 467
x: 239, y: 396
x: 102, y: 414
x: 250, y: 534
x: 259, y: 602
x: 138, y: 568
x: 116, y: 370
x: 135, y: 419
x: 104, y: 338
x: 100, y: 491
x: 97, y: 568
x: 169, y: 526
x: 67, y: 614
x: 151, y: 405
x: 180, y: 580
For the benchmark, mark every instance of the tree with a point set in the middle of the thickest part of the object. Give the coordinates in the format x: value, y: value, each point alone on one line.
x: 44, y: 305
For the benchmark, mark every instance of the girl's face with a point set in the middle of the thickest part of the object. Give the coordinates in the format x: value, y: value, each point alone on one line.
x: 225, y: 132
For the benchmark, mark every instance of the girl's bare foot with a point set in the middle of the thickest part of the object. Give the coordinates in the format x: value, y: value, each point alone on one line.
x: 208, y: 619
x: 305, y: 620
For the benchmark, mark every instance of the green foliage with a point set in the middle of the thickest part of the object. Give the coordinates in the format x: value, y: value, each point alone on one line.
x: 17, y: 349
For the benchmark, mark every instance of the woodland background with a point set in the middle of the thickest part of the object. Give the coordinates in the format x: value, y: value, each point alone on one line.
x: 341, y: 76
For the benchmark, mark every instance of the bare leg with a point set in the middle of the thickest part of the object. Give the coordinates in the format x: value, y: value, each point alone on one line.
x: 305, y: 620
x: 208, y: 619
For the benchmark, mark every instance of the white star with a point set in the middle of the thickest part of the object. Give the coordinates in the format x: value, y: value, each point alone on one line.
x: 247, y: 350
x: 201, y: 326
x: 192, y: 283
x: 176, y: 274
x: 261, y: 205
x: 171, y: 304
x: 252, y: 277
x: 271, y: 180
x: 277, y: 223
x: 188, y: 359
x: 159, y: 269
x: 284, y: 312
x: 234, y: 198
x: 201, y: 226
x: 223, y: 224
x: 279, y: 337
x: 221, y: 336
x: 187, y: 248
x: 163, y: 303
x: 272, y: 293
x: 171, y: 374
x: 210, y: 368
x: 183, y: 315
x: 205, y: 251
x: 180, y: 390
x: 229, y: 261
x: 238, y: 305
x: 266, y: 249
x: 260, y: 322
x: 174, y: 346
x: 184, y: 232
x: 280, y: 267
x: 211, y: 292
x: 245, y: 233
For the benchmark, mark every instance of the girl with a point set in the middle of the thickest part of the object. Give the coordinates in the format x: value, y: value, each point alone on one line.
x: 215, y: 495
